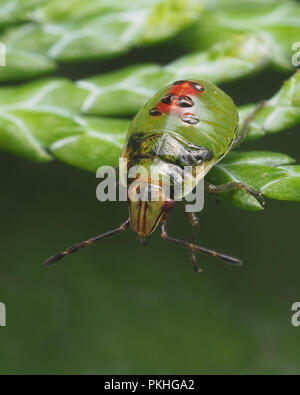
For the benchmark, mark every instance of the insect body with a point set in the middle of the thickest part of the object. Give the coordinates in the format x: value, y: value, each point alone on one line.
x: 189, y: 123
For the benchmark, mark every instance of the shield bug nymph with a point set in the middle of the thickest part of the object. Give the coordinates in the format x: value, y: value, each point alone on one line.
x: 189, y: 123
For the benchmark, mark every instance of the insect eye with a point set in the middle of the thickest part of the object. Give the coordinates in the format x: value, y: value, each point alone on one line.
x: 155, y: 112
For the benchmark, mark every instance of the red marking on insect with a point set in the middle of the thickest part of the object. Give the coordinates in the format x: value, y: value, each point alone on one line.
x: 178, y: 97
x: 166, y: 108
x: 181, y: 88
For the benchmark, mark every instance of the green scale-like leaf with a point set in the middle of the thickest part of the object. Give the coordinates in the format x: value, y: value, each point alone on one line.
x: 42, y: 120
x: 124, y: 91
x: 94, y: 146
x: 275, y: 22
x: 17, y: 10
x: 280, y: 112
x: 59, y: 31
x: 62, y: 98
x: 87, y: 31
x: 268, y: 172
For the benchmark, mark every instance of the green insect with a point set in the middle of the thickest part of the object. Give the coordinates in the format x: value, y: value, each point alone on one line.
x: 189, y: 123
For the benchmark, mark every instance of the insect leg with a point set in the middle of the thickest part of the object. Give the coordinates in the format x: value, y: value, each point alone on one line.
x: 227, y: 258
x: 236, y: 185
x: 195, y: 225
x: 82, y: 244
x: 244, y: 129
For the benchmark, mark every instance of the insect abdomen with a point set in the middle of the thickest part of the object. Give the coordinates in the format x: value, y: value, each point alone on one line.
x: 198, y: 111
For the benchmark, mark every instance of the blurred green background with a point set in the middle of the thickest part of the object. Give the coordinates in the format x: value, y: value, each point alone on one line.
x: 122, y: 308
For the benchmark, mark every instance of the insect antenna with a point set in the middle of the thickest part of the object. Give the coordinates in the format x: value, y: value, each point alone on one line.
x: 78, y: 246
x: 227, y: 258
